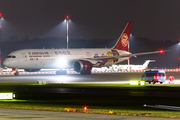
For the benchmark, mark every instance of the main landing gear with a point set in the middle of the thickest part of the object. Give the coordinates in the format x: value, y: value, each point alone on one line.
x: 15, y: 72
x: 86, y: 73
x: 61, y: 72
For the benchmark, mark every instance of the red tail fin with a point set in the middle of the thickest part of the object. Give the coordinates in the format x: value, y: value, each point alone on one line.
x: 123, y: 40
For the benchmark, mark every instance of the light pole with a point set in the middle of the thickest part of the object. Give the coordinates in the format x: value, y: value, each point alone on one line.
x: 128, y: 59
x: 128, y: 51
x: 1, y: 17
x: 67, y: 21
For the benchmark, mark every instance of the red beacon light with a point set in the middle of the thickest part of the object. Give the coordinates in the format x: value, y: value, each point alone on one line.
x: 1, y: 16
x: 67, y: 17
x: 161, y: 51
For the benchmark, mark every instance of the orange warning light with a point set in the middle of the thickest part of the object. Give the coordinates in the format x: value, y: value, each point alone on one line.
x: 85, y: 108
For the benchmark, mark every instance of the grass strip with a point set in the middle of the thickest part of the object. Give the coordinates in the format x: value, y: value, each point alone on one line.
x: 98, y: 104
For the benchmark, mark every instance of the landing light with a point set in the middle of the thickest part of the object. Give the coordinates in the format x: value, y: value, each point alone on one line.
x: 61, y: 62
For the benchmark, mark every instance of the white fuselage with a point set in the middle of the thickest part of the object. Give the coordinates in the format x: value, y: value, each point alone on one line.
x: 60, y: 58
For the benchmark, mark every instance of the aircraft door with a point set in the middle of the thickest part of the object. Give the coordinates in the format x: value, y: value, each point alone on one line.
x: 88, y: 54
x: 24, y: 56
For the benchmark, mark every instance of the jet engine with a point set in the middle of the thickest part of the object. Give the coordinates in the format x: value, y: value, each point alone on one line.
x: 32, y: 70
x: 82, y: 66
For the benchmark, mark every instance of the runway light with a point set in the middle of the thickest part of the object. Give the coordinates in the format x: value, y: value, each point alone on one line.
x: 85, y: 108
x: 111, y: 112
x: 7, y: 96
x: 142, y: 83
x: 134, y: 82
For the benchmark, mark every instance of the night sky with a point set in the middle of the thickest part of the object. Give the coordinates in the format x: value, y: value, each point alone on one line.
x: 156, y: 19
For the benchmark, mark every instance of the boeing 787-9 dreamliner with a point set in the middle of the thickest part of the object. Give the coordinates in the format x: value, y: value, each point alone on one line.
x: 81, y: 60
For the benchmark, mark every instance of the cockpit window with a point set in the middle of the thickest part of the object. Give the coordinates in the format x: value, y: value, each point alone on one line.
x: 11, y: 56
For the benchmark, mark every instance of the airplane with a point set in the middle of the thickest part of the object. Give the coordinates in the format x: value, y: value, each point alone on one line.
x: 135, y: 67
x: 81, y: 60
x: 142, y: 67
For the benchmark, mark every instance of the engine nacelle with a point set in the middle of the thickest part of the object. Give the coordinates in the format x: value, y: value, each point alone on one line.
x: 82, y: 66
x: 32, y: 70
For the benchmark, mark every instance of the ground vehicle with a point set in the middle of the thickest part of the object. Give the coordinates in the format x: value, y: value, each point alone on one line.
x: 154, y: 76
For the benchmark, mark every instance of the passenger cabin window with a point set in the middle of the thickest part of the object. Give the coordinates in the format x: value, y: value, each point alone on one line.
x: 36, y: 56
x: 9, y: 56
x: 46, y: 55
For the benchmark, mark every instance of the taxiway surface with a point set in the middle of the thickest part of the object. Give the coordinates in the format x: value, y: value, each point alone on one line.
x: 7, y: 114
x: 77, y: 78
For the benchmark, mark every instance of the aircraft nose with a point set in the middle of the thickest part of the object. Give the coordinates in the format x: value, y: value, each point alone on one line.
x: 6, y: 63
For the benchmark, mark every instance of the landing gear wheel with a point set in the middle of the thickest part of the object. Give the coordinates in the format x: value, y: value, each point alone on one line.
x: 161, y: 82
x: 16, y: 73
x: 149, y: 82
x: 86, y: 73
x: 89, y: 73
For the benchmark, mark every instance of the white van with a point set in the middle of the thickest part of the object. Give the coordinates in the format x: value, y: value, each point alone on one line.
x: 154, y: 76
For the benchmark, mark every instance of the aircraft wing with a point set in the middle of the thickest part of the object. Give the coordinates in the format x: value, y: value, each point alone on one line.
x: 130, y: 55
x: 75, y: 58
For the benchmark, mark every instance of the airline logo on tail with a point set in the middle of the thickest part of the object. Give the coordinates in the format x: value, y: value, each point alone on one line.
x: 123, y: 40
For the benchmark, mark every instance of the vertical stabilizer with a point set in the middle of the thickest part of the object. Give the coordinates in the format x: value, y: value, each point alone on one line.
x: 123, y: 40
x: 147, y: 62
